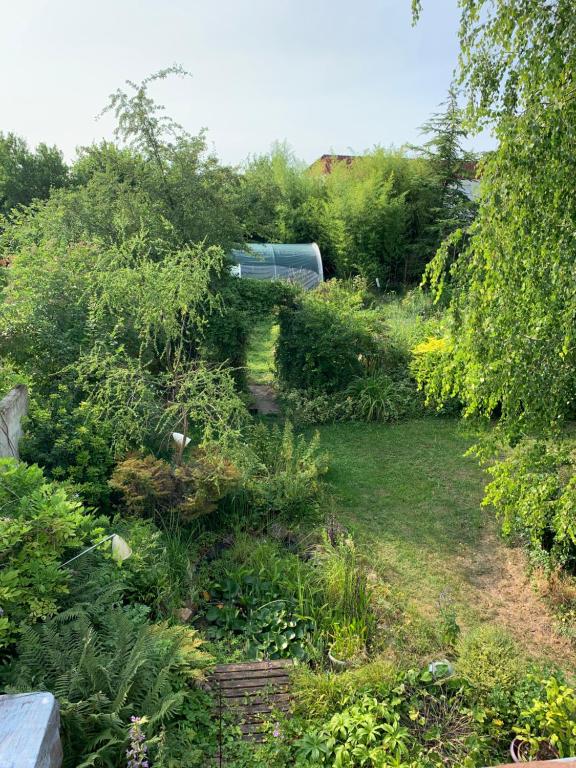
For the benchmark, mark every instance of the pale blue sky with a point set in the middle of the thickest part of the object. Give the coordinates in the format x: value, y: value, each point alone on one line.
x: 325, y: 75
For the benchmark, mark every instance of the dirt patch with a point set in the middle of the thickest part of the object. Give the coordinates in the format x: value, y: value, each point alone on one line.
x: 507, y: 596
x: 264, y: 399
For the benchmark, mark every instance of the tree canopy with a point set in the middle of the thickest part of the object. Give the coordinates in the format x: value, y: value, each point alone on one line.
x: 514, y: 308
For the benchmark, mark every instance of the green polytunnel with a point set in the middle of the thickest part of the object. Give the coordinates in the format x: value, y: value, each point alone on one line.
x: 296, y: 262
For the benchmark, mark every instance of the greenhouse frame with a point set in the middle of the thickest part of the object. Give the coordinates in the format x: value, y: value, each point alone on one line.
x: 296, y: 262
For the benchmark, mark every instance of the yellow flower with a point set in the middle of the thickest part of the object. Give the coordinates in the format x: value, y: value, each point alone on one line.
x: 431, y: 345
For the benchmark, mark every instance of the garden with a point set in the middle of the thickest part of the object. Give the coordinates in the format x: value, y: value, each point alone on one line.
x: 402, y: 533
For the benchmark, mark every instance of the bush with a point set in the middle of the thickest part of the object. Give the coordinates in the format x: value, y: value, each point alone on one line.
x: 489, y: 659
x: 433, y: 368
x: 151, y: 486
x: 71, y: 444
x: 379, y: 397
x: 317, y: 694
x: 41, y: 525
x: 307, y: 356
x: 282, y: 474
x: 548, y: 723
x: 105, y: 672
x: 417, y: 722
x: 307, y: 408
x: 155, y: 581
x: 534, y: 492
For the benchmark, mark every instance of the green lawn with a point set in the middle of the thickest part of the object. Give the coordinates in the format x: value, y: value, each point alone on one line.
x: 260, y: 358
x: 413, y: 500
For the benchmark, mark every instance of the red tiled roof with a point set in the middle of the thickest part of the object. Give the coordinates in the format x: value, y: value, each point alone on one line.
x: 328, y: 161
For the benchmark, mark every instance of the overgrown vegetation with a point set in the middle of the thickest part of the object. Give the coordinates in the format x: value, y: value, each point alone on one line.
x: 245, y: 539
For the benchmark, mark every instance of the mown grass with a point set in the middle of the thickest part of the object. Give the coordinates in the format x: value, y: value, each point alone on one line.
x: 260, y: 366
x: 413, y: 500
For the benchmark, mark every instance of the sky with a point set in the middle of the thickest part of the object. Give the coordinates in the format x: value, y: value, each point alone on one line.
x: 324, y: 75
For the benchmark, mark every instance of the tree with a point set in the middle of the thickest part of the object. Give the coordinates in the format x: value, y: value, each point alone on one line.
x: 449, y: 165
x: 26, y: 175
x: 514, y: 313
x: 199, y: 194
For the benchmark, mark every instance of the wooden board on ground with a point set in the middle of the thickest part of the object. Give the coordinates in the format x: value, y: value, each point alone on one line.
x: 251, y: 692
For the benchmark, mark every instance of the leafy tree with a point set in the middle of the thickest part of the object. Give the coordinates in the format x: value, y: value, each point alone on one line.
x: 199, y: 194
x: 514, y: 311
x: 27, y: 175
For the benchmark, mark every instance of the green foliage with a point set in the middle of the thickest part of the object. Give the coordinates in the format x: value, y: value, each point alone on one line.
x: 416, y: 722
x: 306, y: 408
x: 343, y: 575
x: 152, y: 487
x: 71, y: 443
x: 103, y: 672
x: 433, y: 367
x: 548, y: 723
x: 513, y: 308
x: 490, y: 660
x: 372, y: 217
x: 41, y: 523
x: 448, y: 163
x: 533, y: 491
x: 26, y: 175
x: 306, y: 356
x: 317, y: 694
x: 282, y: 473
x: 379, y: 397
x: 249, y: 605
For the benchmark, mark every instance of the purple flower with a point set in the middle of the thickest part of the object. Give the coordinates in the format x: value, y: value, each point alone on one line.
x: 276, y: 732
x: 137, y: 757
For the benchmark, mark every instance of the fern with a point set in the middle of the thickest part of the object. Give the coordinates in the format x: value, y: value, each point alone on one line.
x: 103, y: 671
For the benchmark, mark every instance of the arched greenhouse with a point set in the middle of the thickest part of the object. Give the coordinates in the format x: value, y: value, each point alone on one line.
x: 298, y: 262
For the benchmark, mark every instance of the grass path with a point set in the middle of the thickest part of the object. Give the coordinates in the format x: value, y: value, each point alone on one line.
x: 260, y: 357
x: 413, y: 500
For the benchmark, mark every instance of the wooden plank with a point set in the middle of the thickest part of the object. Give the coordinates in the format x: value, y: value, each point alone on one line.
x: 252, y: 727
x: 235, y: 693
x: 249, y: 674
x: 248, y: 666
x: 279, y: 699
x: 251, y: 693
x: 252, y: 682
x: 263, y: 707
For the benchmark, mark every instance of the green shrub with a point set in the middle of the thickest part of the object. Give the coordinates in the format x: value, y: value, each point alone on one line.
x: 41, y: 524
x: 157, y: 579
x: 266, y: 620
x: 328, y: 338
x: 489, y: 659
x: 435, y: 373
x: 379, y: 397
x: 416, y: 722
x: 71, y: 444
x: 282, y: 473
x: 317, y: 694
x: 309, y: 407
x: 152, y: 487
x: 343, y: 575
x: 549, y: 723
x: 533, y: 491
x: 104, y: 672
